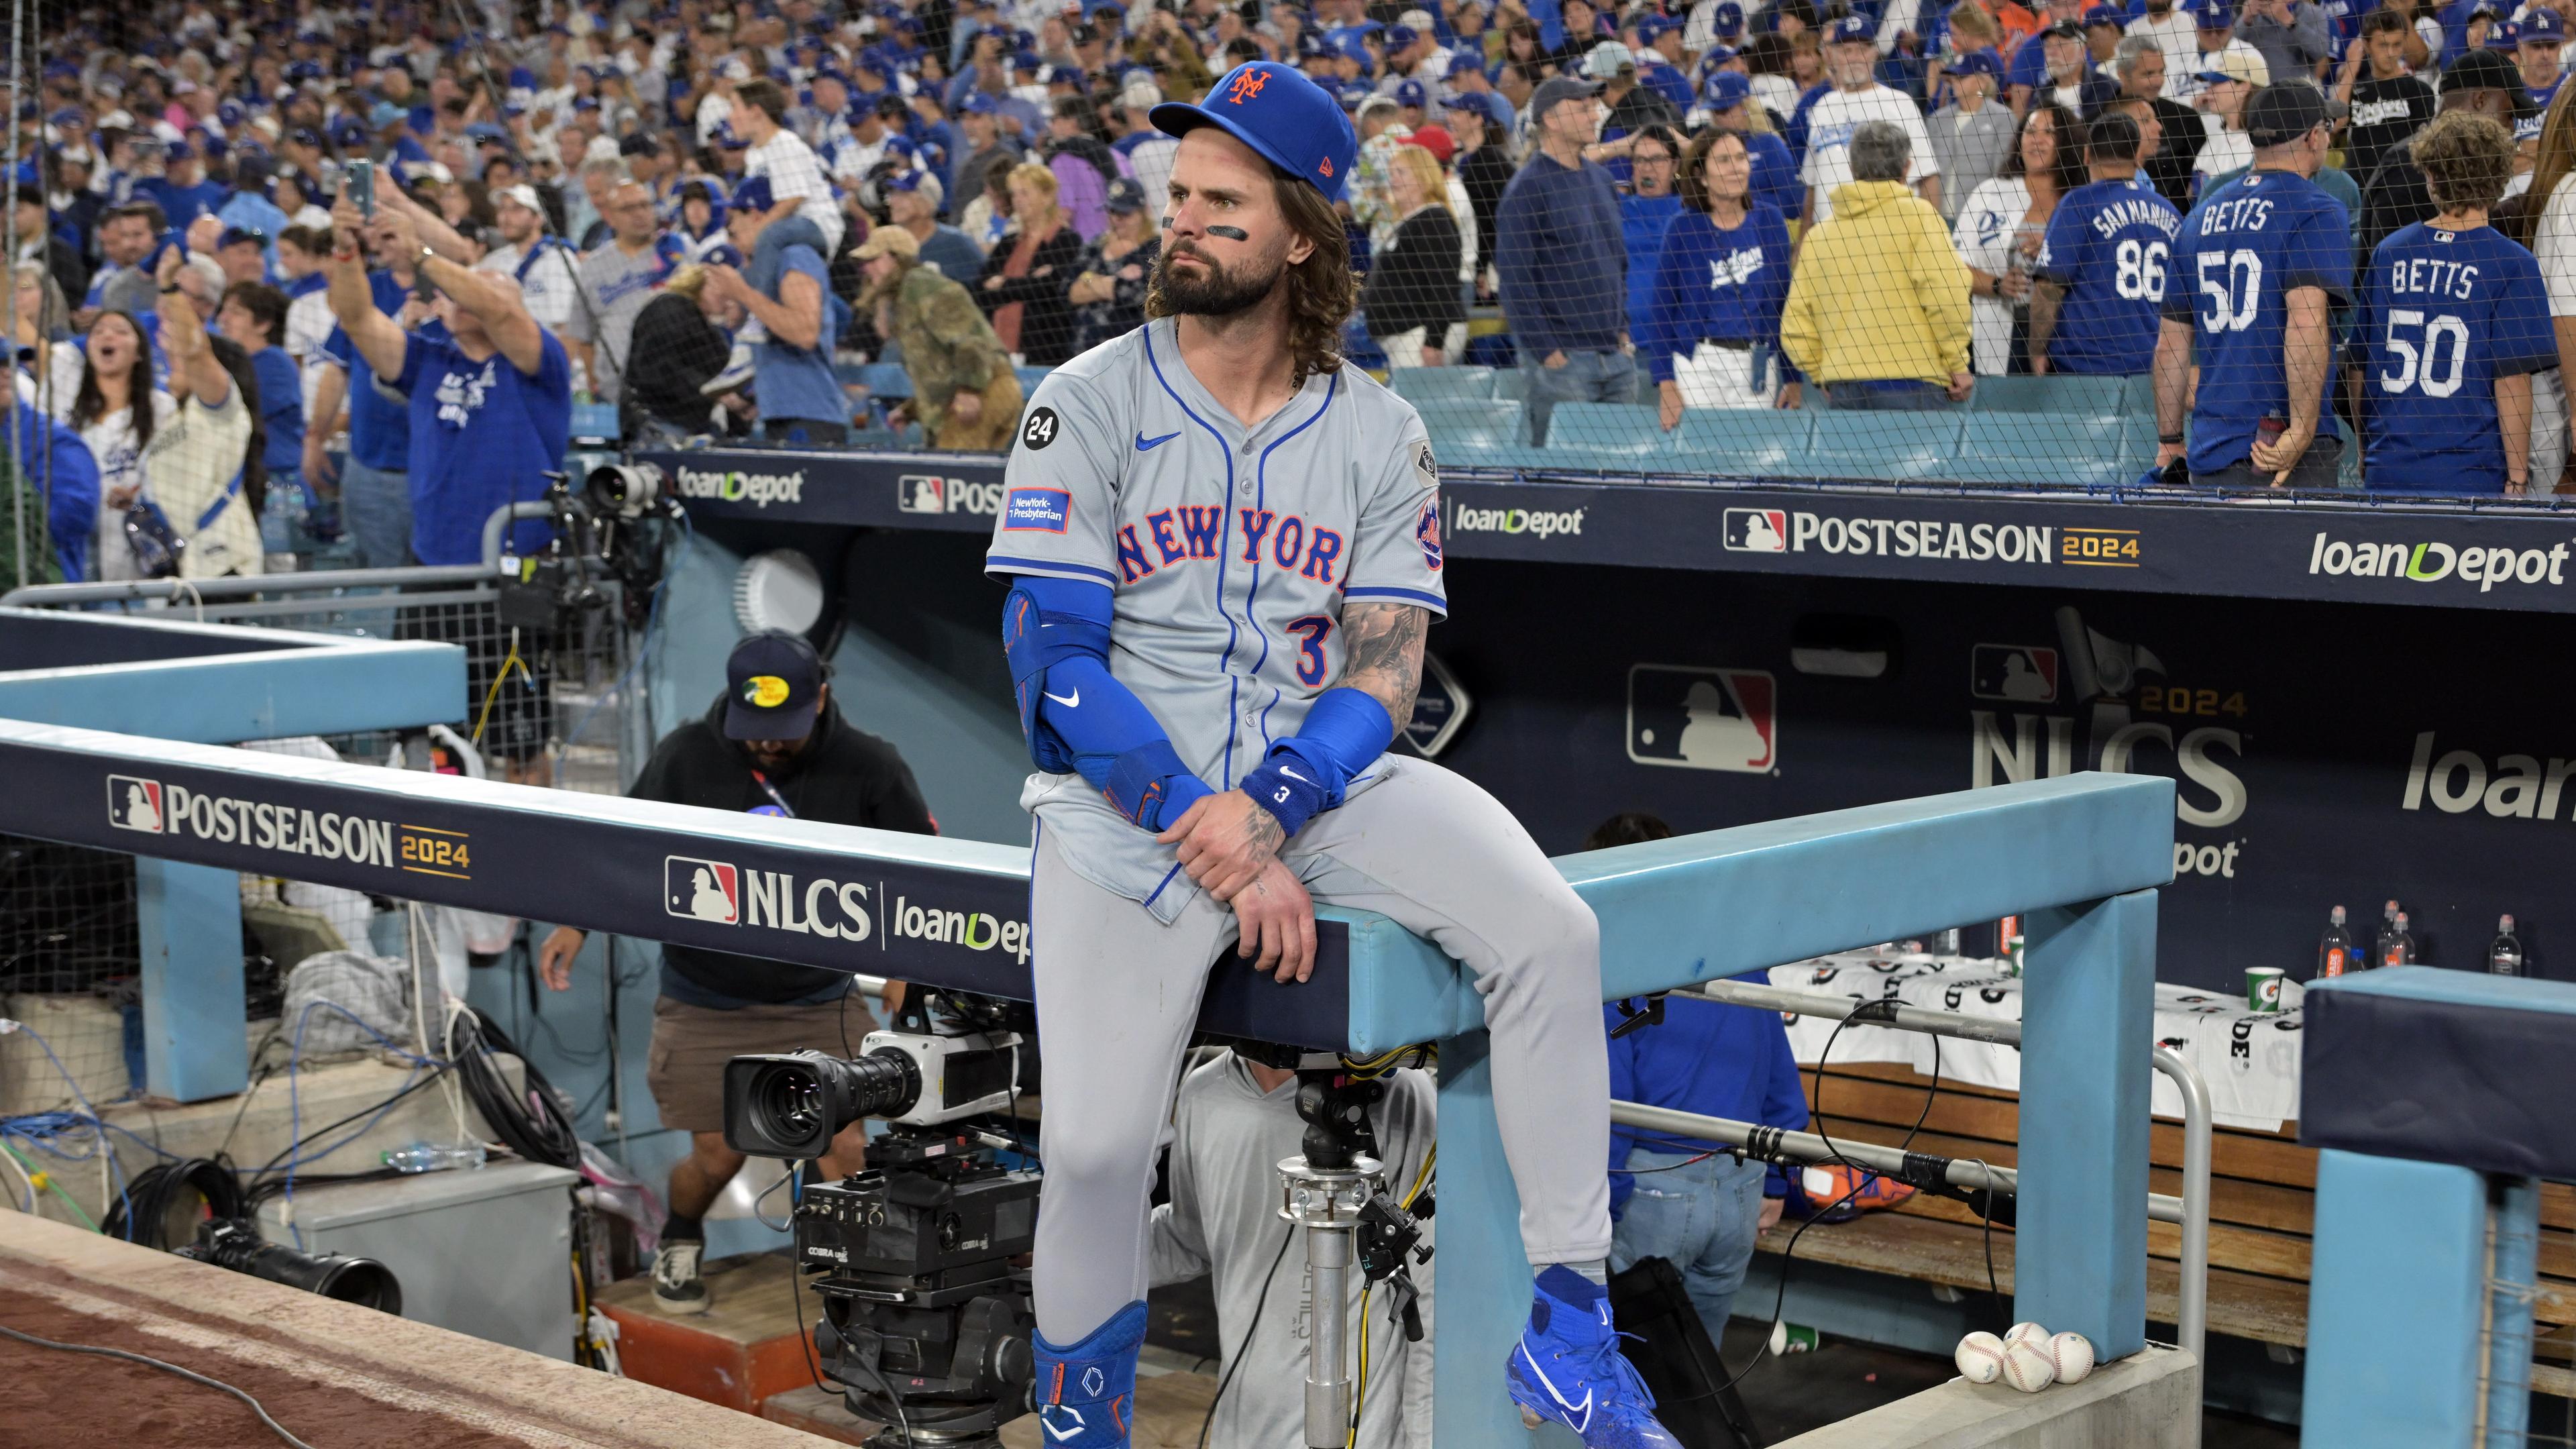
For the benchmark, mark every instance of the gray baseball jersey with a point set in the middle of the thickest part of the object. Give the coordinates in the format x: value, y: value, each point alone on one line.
x: 1231, y: 551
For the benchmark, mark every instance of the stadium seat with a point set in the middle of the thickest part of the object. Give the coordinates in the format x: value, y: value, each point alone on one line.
x: 2104, y: 396
x: 1416, y: 384
x: 1890, y: 445
x: 1607, y: 434
x: 2056, y: 452
x: 1512, y: 383
x: 1743, y: 442
x: 1463, y: 428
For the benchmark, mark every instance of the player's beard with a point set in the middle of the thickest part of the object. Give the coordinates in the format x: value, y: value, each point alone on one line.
x: 1217, y: 291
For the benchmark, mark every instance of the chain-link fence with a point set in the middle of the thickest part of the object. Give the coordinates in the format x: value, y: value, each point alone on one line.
x: 560, y: 706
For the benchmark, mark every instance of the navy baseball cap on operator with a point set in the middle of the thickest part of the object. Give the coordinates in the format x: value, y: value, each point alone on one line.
x: 773, y: 681
x: 1281, y: 115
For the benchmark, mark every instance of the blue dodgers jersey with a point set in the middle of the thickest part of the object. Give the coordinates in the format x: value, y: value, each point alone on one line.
x: 2442, y: 315
x: 2527, y: 128
x: 2110, y: 245
x: 2242, y: 251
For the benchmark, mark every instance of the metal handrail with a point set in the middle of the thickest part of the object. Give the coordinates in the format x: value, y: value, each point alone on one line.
x: 2190, y: 1210
x: 49, y: 596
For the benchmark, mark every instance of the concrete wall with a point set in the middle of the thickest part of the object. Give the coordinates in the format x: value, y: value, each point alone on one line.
x: 2150, y: 1400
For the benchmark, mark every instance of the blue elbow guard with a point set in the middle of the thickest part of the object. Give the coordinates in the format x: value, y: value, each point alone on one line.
x: 1043, y: 627
x: 1304, y: 775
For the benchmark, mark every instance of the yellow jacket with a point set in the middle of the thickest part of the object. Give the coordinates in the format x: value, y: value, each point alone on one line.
x: 1878, y: 292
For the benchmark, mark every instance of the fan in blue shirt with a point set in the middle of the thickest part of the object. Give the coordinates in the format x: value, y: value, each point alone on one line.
x: 2259, y: 263
x: 1775, y: 170
x: 2453, y: 321
x: 490, y: 400
x: 2104, y: 266
x: 1722, y: 275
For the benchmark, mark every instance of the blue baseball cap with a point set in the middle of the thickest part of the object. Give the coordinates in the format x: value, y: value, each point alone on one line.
x: 1727, y: 89
x: 2505, y: 35
x: 773, y: 684
x: 980, y: 104
x: 2216, y: 15
x: 1409, y: 93
x: 1461, y: 64
x: 1727, y: 20
x: 2540, y: 26
x: 1351, y: 98
x: 753, y: 194
x: 2109, y: 15
x: 1978, y: 62
x: 1284, y: 117
x: 1399, y: 36
x: 1850, y: 29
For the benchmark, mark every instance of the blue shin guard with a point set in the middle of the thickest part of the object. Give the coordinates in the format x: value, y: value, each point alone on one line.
x: 1086, y: 1394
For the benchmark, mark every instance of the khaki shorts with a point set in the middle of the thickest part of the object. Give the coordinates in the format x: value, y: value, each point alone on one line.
x: 684, y: 1070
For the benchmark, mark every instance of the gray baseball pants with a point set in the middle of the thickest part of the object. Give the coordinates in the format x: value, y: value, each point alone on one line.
x: 1118, y: 994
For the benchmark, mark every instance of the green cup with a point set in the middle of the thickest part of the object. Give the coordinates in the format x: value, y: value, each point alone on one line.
x: 2263, y: 988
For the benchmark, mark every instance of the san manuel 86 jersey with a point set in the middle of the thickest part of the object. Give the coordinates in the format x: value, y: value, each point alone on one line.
x: 1230, y: 552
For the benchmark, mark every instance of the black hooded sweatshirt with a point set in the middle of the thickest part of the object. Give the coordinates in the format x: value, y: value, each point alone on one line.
x: 844, y: 777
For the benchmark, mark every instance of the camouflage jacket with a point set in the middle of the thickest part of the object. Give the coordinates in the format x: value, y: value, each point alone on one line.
x: 947, y: 344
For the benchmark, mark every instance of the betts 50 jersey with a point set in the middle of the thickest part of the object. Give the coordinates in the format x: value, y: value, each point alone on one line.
x: 1230, y: 551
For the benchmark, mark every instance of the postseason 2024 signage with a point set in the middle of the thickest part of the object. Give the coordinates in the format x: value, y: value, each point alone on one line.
x: 2486, y: 556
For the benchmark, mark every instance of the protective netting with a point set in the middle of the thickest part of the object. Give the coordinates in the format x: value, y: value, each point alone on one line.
x: 1891, y: 240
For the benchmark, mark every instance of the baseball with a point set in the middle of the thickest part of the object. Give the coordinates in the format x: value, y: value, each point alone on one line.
x: 2026, y: 1365
x: 2071, y: 1354
x: 1980, y: 1357
x: 2025, y: 1329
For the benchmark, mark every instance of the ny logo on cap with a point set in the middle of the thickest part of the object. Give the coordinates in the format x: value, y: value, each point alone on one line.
x: 1246, y: 86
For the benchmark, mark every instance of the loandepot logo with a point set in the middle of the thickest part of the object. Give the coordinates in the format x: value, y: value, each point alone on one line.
x: 1534, y: 521
x: 974, y: 930
x: 2426, y: 563
x: 757, y: 489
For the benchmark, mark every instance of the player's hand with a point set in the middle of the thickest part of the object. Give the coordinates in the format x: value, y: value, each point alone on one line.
x: 554, y: 958
x: 1278, y: 921
x: 2282, y: 454
x: 1224, y: 842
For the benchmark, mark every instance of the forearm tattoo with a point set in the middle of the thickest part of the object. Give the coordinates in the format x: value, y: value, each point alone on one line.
x: 1385, y: 643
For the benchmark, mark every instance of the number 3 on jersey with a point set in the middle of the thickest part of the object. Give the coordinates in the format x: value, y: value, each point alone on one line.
x: 1311, y: 631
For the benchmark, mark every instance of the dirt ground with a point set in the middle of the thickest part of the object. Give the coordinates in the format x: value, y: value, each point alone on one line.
x: 60, y: 1400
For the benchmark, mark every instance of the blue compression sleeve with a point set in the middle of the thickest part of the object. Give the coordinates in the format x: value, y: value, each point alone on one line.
x: 1305, y: 774
x: 1076, y: 714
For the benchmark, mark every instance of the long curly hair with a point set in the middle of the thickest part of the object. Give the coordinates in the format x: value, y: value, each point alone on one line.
x: 1322, y: 290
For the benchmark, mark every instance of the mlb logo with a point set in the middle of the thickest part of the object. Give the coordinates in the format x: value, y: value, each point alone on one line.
x: 2014, y: 673
x: 1704, y: 719
x: 134, y: 803
x: 1757, y: 530
x: 921, y: 493
x: 701, y: 890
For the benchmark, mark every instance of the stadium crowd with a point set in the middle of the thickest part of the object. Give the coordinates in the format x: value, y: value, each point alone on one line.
x: 2284, y: 215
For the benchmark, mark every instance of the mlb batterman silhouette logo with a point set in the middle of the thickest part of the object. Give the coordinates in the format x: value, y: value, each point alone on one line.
x: 1757, y: 530
x: 1703, y: 719
x: 134, y: 803
x: 701, y: 890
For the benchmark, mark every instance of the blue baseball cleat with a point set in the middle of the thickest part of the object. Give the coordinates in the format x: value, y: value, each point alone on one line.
x: 1086, y: 1394
x: 1567, y: 1368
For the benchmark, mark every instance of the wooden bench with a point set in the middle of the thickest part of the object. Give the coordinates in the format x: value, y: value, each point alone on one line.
x: 2262, y: 1210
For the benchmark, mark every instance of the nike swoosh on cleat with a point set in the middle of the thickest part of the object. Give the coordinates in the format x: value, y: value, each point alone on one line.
x: 1146, y: 445
x: 1073, y: 701
x: 1570, y: 1407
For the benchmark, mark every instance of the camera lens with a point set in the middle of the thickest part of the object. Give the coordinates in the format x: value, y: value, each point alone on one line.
x: 792, y: 1106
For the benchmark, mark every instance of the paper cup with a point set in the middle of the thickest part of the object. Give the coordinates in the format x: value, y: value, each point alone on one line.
x: 2263, y: 988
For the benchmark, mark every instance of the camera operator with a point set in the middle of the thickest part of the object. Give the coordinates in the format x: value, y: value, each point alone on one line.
x: 1232, y: 1123
x: 772, y: 744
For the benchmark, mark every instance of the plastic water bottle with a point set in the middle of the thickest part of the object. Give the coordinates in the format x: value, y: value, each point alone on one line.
x: 2334, y: 951
x: 433, y: 1156
x: 2386, y: 943
x: 2504, y: 958
x: 2397, y: 948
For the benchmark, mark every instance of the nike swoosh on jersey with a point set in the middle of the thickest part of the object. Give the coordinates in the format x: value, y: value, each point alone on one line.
x: 1146, y: 445
x: 1072, y: 701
